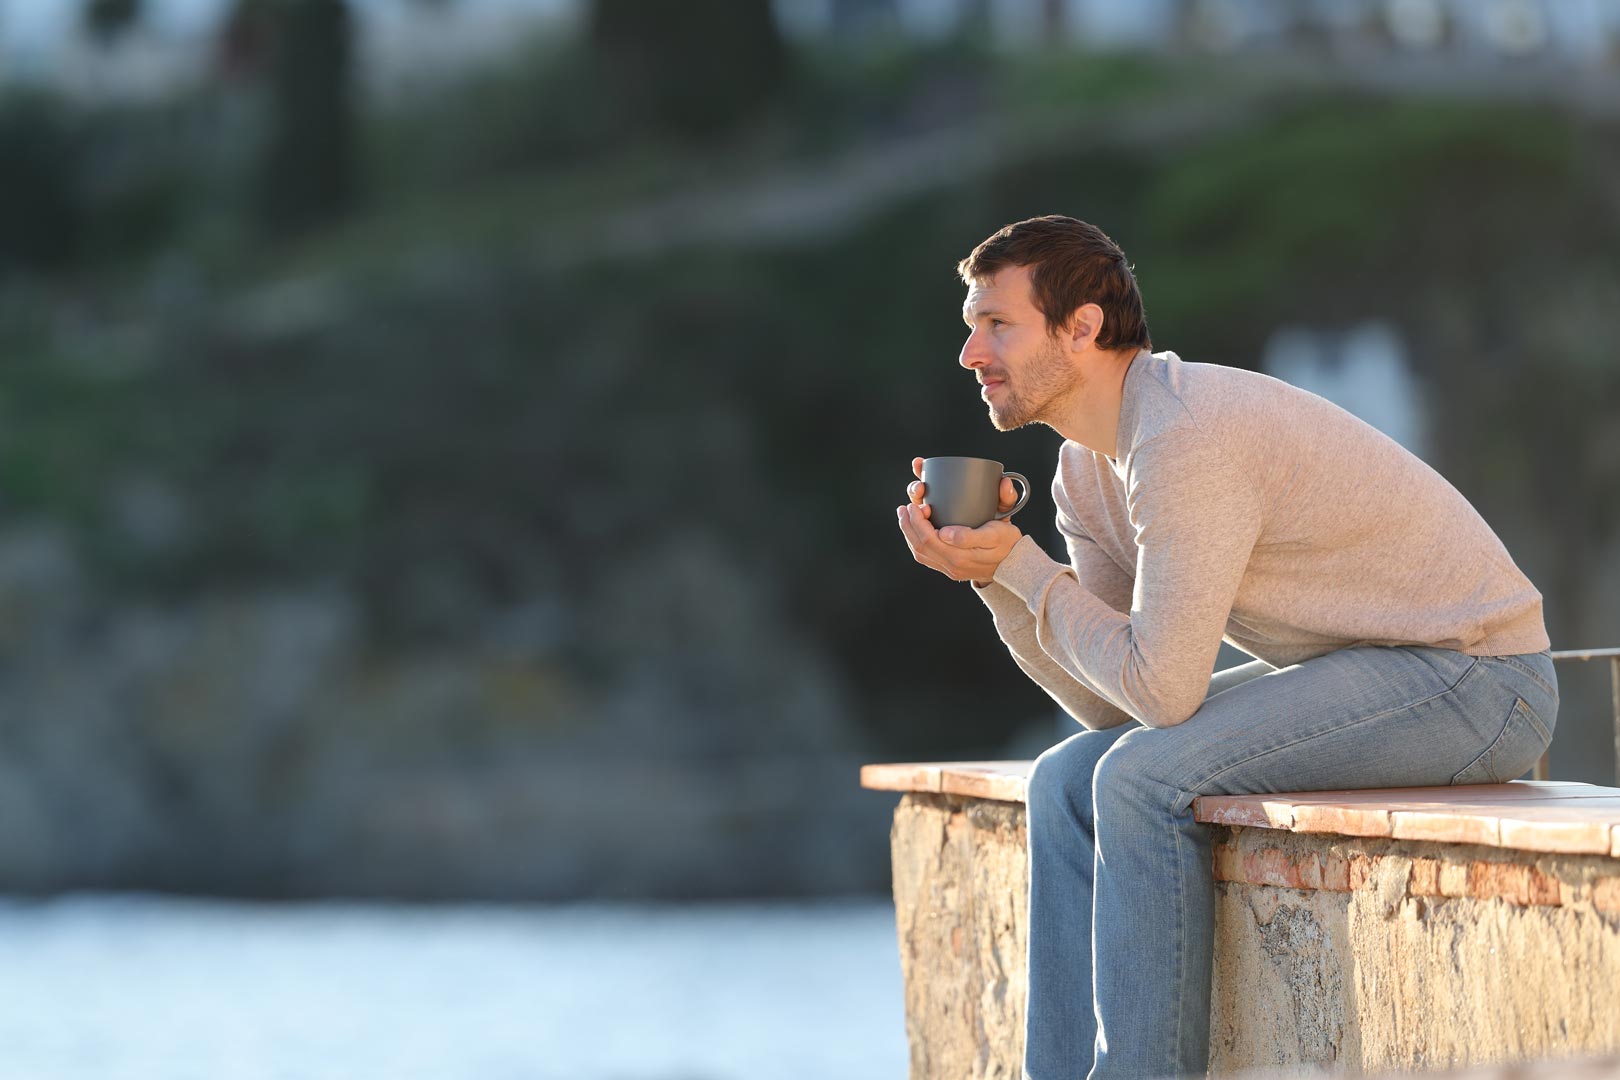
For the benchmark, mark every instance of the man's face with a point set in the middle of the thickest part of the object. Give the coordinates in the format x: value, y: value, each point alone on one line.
x: 1025, y: 371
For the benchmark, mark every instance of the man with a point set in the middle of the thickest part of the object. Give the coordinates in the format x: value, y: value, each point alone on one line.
x: 1396, y: 642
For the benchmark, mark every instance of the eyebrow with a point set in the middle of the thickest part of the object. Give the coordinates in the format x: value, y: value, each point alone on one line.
x: 982, y: 313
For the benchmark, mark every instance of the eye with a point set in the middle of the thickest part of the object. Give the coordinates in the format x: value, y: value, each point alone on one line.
x: 998, y: 322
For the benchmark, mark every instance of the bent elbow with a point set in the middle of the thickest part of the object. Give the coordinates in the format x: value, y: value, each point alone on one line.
x: 1164, y: 714
x: 1160, y: 696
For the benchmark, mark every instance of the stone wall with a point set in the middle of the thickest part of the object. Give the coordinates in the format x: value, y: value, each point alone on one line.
x: 961, y: 898
x: 1332, y: 952
x: 1389, y: 954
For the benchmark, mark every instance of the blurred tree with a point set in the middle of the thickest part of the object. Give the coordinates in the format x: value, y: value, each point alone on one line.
x: 696, y: 69
x: 307, y: 170
x: 108, y: 20
x: 42, y: 216
x: 244, y: 38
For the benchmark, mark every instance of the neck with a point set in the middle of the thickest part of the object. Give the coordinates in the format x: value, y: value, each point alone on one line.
x: 1091, y: 416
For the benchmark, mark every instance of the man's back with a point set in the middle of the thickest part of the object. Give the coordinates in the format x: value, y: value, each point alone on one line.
x: 1356, y: 540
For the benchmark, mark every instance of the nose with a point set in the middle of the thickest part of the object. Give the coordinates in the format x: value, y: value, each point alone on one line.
x: 975, y: 352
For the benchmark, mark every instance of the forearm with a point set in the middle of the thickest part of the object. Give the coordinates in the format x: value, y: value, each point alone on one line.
x: 1154, y: 663
x: 1016, y: 628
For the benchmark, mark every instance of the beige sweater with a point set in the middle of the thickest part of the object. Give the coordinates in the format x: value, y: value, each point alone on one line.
x: 1244, y: 509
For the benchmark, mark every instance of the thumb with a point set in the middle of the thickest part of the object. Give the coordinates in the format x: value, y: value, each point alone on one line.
x: 992, y: 534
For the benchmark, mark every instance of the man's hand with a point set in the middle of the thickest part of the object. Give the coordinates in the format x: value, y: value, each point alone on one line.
x: 960, y: 553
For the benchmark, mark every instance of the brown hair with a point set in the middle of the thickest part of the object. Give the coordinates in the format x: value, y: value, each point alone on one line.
x: 1072, y: 263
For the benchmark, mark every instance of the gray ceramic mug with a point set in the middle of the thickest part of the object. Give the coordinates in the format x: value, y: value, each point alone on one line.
x: 966, y: 491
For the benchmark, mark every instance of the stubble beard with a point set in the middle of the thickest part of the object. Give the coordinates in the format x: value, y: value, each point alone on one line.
x: 1044, y: 384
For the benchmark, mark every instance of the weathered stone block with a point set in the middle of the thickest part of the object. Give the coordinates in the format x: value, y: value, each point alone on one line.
x: 1606, y: 895
x: 961, y: 888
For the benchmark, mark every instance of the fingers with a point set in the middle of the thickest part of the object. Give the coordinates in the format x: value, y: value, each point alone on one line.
x: 991, y: 534
x: 917, y: 489
x: 974, y: 555
x: 911, y: 528
x: 1007, y: 497
x: 917, y: 530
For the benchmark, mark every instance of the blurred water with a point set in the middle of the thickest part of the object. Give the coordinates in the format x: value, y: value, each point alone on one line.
x: 147, y: 987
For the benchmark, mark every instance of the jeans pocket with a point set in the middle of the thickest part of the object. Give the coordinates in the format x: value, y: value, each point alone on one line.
x: 1516, y: 748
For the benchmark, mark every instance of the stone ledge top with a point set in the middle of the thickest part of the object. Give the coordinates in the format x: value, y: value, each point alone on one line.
x: 1526, y: 815
x: 1002, y: 780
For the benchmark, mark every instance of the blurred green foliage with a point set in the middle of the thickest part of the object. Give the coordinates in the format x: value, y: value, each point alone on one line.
x: 1365, y: 188
x: 530, y: 346
x: 60, y: 430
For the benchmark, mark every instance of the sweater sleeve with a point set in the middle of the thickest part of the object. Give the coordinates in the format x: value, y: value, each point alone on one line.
x: 1196, y: 517
x: 1017, y: 629
x: 1097, y: 574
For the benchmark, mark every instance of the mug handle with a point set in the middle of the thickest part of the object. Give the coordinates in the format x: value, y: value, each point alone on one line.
x: 1022, y: 499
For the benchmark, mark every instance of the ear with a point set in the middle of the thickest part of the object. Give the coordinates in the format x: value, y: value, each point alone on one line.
x: 1084, y: 326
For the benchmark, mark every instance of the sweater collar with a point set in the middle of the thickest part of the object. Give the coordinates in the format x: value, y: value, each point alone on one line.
x: 1129, y: 404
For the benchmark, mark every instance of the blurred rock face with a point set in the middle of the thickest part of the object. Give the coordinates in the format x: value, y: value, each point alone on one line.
x: 251, y: 742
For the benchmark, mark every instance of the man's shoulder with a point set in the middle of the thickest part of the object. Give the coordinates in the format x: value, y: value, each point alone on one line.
x: 1179, y: 392
x: 1188, y: 407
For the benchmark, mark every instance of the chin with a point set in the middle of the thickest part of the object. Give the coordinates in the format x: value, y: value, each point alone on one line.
x: 1009, y: 420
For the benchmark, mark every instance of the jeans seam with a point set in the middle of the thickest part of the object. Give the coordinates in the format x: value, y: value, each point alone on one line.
x: 1337, y: 728
x: 1181, y: 953
x: 1535, y: 719
x: 1180, y: 961
x: 1527, y: 671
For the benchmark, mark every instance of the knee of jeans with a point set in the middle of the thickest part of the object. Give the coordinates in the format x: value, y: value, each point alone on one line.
x: 1060, y: 780
x: 1129, y: 766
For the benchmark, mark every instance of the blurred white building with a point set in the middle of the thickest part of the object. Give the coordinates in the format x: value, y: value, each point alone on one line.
x: 406, y: 40
x: 1582, y: 30
x: 399, y: 41
x: 1362, y: 369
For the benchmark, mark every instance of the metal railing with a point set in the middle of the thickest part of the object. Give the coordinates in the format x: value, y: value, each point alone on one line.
x: 1613, y: 657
